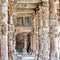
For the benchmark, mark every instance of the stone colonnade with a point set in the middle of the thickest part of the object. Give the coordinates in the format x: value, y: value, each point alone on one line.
x: 47, y: 29
x: 40, y: 32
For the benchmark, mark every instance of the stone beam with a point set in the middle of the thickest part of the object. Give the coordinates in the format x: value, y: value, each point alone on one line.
x: 23, y: 5
x: 24, y: 14
x: 23, y: 29
x: 19, y: 10
x: 28, y: 1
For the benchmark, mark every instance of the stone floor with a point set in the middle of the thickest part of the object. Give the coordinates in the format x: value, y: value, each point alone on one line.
x: 25, y: 57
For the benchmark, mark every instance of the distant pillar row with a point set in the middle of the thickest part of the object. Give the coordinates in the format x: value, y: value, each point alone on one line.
x: 4, y: 29
x: 53, y: 24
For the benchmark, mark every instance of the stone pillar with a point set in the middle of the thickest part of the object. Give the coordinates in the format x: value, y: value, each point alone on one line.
x: 53, y: 23
x: 11, y: 39
x: 0, y: 49
x: 25, y: 43
x: 0, y: 42
x: 33, y: 42
x: 44, y: 30
x: 34, y: 36
x: 36, y: 41
x: 45, y: 45
x: 36, y: 33
x: 4, y: 29
x: 31, y: 38
x: 24, y: 24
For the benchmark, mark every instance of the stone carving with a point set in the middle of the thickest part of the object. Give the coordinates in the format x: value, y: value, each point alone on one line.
x: 3, y: 29
x: 45, y: 3
x: 40, y: 39
x: 11, y: 41
x: 2, y: 15
x: 53, y: 31
x: 2, y: 1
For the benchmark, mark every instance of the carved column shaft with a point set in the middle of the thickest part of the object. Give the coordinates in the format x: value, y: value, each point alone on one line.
x: 36, y: 32
x: 0, y: 42
x: 43, y: 31
x: 31, y: 38
x: 40, y: 32
x: 4, y: 29
x: 34, y: 36
x: 53, y: 23
x: 36, y: 41
x: 25, y: 43
x: 11, y: 39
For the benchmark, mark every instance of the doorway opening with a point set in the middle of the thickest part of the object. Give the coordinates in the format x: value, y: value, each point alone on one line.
x: 20, y: 43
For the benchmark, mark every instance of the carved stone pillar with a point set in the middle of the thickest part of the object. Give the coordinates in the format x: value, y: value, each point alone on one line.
x: 11, y: 39
x: 34, y: 38
x: 45, y: 45
x: 4, y: 29
x: 0, y: 49
x: 36, y: 33
x: 31, y: 36
x: 43, y: 30
x: 53, y: 30
x: 36, y: 41
x: 25, y: 43
x: 0, y: 42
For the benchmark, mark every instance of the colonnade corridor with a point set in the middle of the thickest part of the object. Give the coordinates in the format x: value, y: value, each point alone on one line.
x: 29, y: 29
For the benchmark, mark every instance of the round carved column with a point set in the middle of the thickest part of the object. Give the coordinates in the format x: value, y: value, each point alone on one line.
x: 44, y: 30
x: 31, y: 35
x: 53, y: 24
x: 25, y: 43
x: 11, y: 39
x: 4, y: 28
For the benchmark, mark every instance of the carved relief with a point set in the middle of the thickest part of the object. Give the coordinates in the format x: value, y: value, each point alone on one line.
x: 2, y: 1
x: 3, y: 29
x: 2, y: 15
x: 11, y: 41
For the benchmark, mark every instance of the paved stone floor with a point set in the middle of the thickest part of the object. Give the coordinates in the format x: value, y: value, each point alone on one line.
x: 25, y: 57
